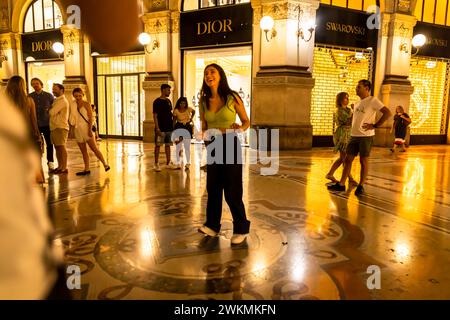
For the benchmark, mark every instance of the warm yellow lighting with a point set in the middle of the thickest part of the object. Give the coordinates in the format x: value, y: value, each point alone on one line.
x: 414, y: 178
x: 266, y: 25
x: 58, y: 47
x: 402, y: 250
x: 419, y: 40
x: 145, y: 38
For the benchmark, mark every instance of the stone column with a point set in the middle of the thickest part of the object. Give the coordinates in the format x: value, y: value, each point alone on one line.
x: 283, y: 84
x: 158, y: 64
x: 74, y: 61
x: 395, y: 52
x: 9, y: 53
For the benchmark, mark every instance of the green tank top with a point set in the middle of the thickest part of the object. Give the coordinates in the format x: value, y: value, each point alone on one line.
x: 224, y: 117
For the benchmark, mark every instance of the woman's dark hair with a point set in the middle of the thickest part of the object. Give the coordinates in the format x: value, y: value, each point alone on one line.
x: 339, y: 98
x: 77, y: 90
x: 179, y: 101
x: 223, y: 90
x: 16, y: 90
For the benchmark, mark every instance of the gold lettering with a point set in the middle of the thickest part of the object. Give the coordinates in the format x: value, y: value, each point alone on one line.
x: 345, y: 28
x: 214, y: 24
x: 227, y: 25
x: 199, y: 25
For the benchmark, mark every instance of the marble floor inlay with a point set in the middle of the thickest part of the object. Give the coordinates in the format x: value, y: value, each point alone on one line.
x: 133, y: 231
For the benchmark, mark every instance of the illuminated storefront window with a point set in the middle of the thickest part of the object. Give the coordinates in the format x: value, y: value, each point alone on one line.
x: 120, y: 97
x: 427, y: 110
x: 335, y: 70
x: 237, y: 65
x: 362, y: 5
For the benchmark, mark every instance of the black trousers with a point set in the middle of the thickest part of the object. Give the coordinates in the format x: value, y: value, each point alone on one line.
x: 225, y: 178
x: 48, y: 142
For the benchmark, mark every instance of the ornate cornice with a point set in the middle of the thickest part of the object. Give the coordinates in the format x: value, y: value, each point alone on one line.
x: 157, y: 22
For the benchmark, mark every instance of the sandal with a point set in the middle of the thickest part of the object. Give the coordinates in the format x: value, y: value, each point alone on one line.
x: 83, y: 173
x: 330, y: 177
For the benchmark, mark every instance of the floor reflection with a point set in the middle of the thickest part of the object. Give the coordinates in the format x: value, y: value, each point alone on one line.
x: 134, y: 231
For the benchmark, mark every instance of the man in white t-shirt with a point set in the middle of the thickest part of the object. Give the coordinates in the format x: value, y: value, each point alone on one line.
x: 363, y: 131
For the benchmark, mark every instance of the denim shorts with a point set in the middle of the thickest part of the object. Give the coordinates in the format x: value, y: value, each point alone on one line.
x: 165, y: 138
x: 361, y: 145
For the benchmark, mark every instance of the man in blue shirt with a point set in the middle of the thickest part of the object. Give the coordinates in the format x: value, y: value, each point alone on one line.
x: 43, y: 101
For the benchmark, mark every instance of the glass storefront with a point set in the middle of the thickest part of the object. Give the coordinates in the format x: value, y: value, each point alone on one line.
x: 335, y: 70
x: 237, y: 63
x: 120, y: 97
x: 428, y: 106
x: 49, y: 72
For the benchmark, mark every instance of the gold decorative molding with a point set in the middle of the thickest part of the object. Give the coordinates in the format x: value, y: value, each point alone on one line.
x: 71, y: 34
x: 157, y: 22
x: 289, y: 10
x: 175, y: 19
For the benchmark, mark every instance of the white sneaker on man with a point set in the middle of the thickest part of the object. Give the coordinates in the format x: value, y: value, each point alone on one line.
x: 51, y: 166
x: 208, y: 231
x: 238, y: 238
x: 157, y: 168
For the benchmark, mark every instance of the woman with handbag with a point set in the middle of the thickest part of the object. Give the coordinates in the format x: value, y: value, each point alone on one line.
x: 81, y: 118
x: 182, y: 118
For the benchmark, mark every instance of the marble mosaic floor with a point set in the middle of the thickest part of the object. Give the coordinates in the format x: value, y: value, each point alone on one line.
x: 133, y: 231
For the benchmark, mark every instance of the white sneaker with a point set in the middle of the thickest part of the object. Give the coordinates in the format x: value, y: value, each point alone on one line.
x: 51, y: 166
x: 157, y: 168
x: 238, y: 238
x: 187, y: 166
x: 173, y: 166
x: 208, y: 231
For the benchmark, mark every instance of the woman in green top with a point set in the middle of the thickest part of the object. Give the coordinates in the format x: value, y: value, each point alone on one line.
x: 343, y: 119
x: 218, y: 108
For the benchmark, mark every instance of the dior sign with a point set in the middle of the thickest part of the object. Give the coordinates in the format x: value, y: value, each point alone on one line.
x: 216, y: 26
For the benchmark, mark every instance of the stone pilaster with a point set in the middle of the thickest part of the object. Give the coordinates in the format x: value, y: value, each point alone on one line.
x: 74, y: 63
x: 394, y: 57
x: 282, y: 86
x: 9, y: 49
x: 158, y: 63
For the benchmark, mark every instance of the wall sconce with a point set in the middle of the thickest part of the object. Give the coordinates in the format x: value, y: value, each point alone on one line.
x: 266, y: 24
x: 3, y: 56
x: 58, y: 47
x: 145, y: 39
x: 417, y: 42
x: 303, y: 26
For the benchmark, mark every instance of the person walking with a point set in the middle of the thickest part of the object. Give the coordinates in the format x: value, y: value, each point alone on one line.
x: 400, y: 125
x: 81, y: 118
x: 343, y: 119
x: 163, y: 119
x: 218, y: 108
x: 182, y: 117
x: 59, y: 127
x: 43, y: 102
x: 362, y: 133
x: 16, y: 91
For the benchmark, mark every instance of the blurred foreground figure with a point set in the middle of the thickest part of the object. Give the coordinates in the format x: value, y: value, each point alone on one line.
x: 112, y: 25
x: 26, y: 267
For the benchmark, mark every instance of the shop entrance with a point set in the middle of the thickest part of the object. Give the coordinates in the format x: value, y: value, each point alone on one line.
x: 120, y: 97
x: 237, y: 64
x: 335, y: 69
x: 428, y: 106
x: 49, y: 72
